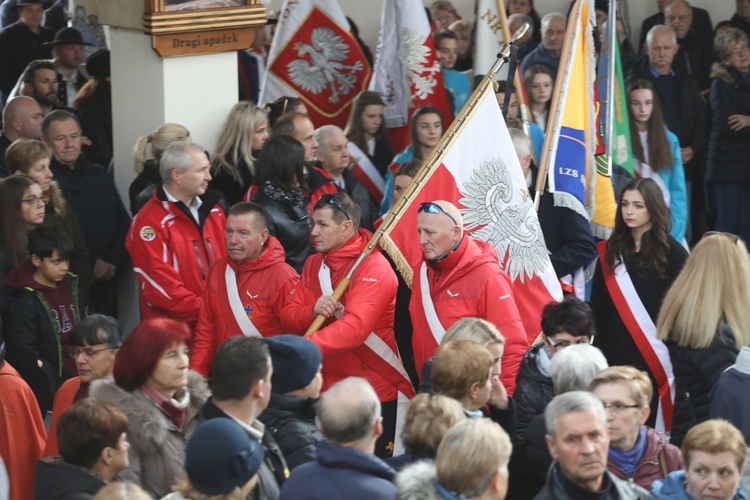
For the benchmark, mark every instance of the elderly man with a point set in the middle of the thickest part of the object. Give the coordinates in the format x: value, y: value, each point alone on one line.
x: 357, y: 338
x: 22, y: 119
x: 67, y: 49
x: 695, y: 54
x: 460, y: 277
x: 345, y: 467
x: 548, y: 52
x: 701, y: 22
x: 91, y: 192
x: 578, y: 440
x: 526, y: 44
x: 22, y: 42
x: 335, y: 158
x: 245, y: 290
x: 177, y: 236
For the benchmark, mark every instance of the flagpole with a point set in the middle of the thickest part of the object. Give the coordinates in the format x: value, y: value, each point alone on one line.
x: 541, y: 176
x: 425, y: 172
x: 525, y: 116
x: 611, y: 81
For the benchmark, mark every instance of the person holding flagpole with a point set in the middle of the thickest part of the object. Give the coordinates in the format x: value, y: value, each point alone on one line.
x: 636, y: 267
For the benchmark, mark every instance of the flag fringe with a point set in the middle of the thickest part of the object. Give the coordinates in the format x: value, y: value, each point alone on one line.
x: 567, y: 200
x: 600, y: 231
x: 402, y: 265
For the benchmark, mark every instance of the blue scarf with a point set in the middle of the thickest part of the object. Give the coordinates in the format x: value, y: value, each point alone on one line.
x: 627, y: 461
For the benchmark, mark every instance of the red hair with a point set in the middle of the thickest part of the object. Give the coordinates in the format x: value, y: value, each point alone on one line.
x: 142, y: 349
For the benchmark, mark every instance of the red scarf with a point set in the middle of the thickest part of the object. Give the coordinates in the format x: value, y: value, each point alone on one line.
x: 175, y: 410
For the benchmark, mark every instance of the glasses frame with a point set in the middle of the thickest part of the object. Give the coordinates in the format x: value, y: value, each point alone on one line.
x: 331, y: 199
x: 36, y: 199
x: 558, y: 346
x: 731, y: 236
x: 618, y: 408
x: 77, y: 351
x: 433, y: 208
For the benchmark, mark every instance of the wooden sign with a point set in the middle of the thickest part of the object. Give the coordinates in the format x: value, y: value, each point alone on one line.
x: 189, y: 27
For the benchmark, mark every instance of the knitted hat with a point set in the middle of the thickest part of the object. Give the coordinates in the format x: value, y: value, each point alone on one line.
x: 221, y: 456
x: 295, y: 360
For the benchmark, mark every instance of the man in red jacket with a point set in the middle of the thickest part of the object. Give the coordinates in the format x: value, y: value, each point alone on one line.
x: 460, y: 277
x: 245, y: 290
x: 177, y: 236
x: 357, y: 338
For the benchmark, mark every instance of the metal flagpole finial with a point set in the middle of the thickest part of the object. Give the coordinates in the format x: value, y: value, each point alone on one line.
x: 504, y: 53
x: 519, y: 32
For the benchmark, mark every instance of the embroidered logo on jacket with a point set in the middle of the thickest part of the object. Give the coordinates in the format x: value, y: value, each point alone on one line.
x: 147, y: 233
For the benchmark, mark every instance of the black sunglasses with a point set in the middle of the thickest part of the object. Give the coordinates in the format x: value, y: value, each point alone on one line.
x: 434, y: 208
x: 332, y: 200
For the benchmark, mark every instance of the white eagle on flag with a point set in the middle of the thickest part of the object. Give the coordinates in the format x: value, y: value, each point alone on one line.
x: 324, y: 68
x: 415, y: 54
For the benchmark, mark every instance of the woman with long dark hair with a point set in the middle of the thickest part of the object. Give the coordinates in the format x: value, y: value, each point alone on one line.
x: 281, y: 192
x: 656, y: 152
x: 366, y: 130
x: 94, y: 106
x: 636, y: 266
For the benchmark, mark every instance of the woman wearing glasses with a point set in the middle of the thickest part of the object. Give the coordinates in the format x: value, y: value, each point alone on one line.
x: 636, y: 453
x: 93, y: 345
x: 704, y: 321
x: 636, y: 266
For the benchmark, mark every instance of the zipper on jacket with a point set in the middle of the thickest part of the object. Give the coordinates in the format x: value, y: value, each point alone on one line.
x: 199, y: 259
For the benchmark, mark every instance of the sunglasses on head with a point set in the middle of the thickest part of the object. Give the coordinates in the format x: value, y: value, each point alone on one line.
x: 731, y: 236
x: 434, y: 208
x: 332, y: 200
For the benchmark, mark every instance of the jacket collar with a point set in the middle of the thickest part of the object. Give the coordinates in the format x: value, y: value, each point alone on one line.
x: 330, y: 455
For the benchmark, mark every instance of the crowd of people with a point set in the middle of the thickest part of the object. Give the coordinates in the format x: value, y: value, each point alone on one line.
x: 426, y: 387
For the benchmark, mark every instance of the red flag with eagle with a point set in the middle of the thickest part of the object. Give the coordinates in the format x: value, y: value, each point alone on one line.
x: 407, y: 72
x: 315, y: 56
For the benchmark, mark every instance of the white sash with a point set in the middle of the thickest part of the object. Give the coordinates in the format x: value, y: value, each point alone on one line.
x: 235, y: 304
x: 648, y: 328
x: 379, y: 347
x: 436, y: 327
x: 367, y: 167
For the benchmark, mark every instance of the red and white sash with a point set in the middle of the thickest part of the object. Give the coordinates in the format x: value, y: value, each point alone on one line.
x: 244, y: 324
x: 366, y: 172
x: 380, y: 358
x: 425, y: 319
x: 643, y: 331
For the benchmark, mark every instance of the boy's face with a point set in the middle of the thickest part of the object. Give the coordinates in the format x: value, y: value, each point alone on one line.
x: 448, y: 53
x: 50, y: 270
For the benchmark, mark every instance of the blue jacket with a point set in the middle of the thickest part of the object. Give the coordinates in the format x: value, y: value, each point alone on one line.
x: 340, y: 473
x: 673, y: 488
x: 674, y: 178
x: 404, y: 156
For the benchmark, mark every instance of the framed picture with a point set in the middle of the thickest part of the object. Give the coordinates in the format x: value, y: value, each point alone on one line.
x: 189, y: 27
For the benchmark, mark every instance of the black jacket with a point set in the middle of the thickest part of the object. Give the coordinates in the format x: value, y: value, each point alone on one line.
x: 534, y: 390
x: 54, y: 479
x: 291, y: 422
x: 728, y: 158
x: 291, y: 226
x: 701, y: 24
x: 694, y: 115
x: 696, y: 372
x: 555, y: 488
x: 696, y: 56
x: 231, y: 190
x: 142, y: 188
x: 529, y: 462
x: 18, y: 47
x: 359, y: 194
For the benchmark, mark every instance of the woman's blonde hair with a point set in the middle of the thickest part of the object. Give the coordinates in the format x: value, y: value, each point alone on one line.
x: 712, y: 288
x: 159, y: 139
x: 477, y: 330
x: 470, y: 454
x: 236, y: 140
x: 428, y: 418
x: 122, y: 491
x: 715, y: 436
x: 187, y: 490
x: 636, y: 380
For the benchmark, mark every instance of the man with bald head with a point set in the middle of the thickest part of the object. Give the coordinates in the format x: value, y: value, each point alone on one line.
x: 22, y: 119
x: 460, y: 277
x: 345, y: 467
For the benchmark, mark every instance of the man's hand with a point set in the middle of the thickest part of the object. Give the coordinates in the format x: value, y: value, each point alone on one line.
x: 738, y: 122
x: 327, y: 306
x: 687, y: 154
x: 498, y: 396
x: 103, y: 271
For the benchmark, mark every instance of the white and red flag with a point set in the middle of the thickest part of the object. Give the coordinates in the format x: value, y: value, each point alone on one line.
x: 477, y: 169
x: 407, y: 72
x: 315, y: 56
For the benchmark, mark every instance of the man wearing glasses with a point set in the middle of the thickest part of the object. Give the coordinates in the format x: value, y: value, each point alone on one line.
x: 357, y: 338
x: 460, y: 277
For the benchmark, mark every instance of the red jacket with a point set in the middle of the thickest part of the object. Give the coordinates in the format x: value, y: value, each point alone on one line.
x: 263, y: 283
x: 64, y: 398
x: 658, y: 458
x: 470, y: 283
x: 172, y: 255
x: 369, y: 303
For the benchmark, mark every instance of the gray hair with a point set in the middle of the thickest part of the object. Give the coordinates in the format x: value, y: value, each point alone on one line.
x: 176, y: 156
x: 572, y: 402
x: 553, y: 15
x: 573, y: 368
x: 723, y: 39
x: 677, y: 2
x: 348, y: 410
x: 657, y: 29
x: 524, y: 18
x: 323, y: 134
x: 521, y: 142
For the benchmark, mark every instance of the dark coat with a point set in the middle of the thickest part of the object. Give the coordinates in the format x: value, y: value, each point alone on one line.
x: 340, y: 473
x: 54, y: 479
x: 231, y: 190
x: 18, y: 47
x: 92, y: 194
x: 142, y: 188
x: 622, y: 490
x: 4, y: 144
x: 696, y: 56
x: 359, y: 194
x: 291, y: 422
x: 740, y: 23
x: 696, y: 372
x: 728, y: 159
x: 291, y: 226
x: 693, y: 112
x: 701, y: 24
x: 729, y: 396
x: 529, y: 462
x: 95, y: 115
x: 534, y: 390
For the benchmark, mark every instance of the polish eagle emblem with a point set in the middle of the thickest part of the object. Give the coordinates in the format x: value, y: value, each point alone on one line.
x: 416, y: 56
x: 512, y: 229
x: 324, y: 68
